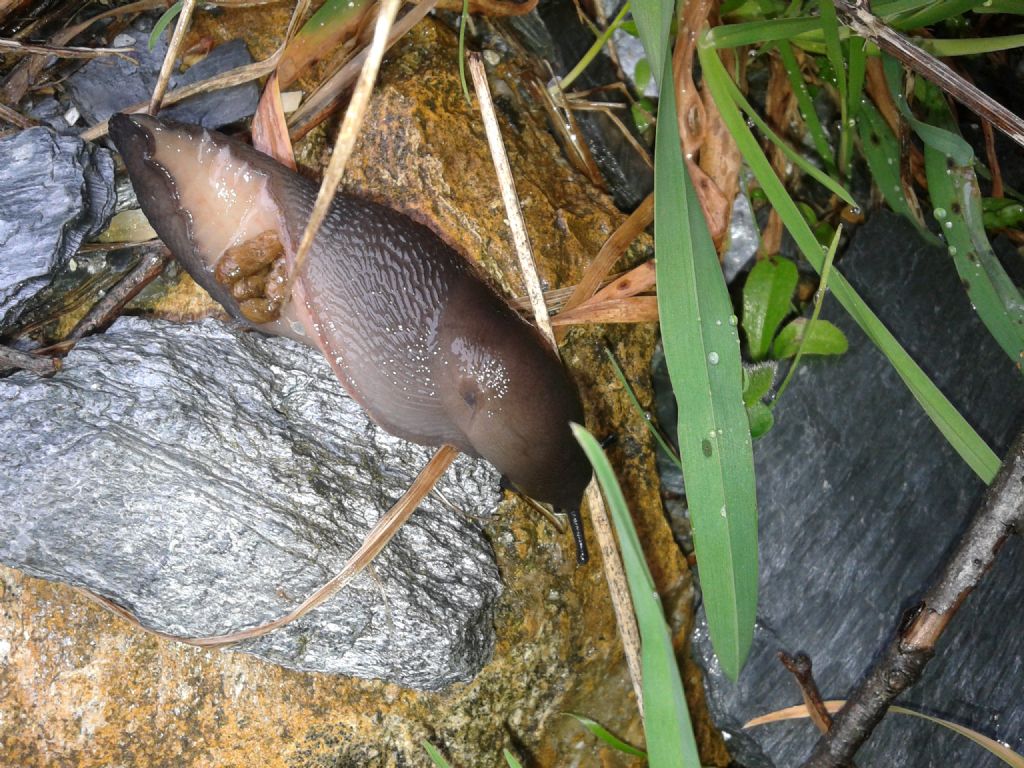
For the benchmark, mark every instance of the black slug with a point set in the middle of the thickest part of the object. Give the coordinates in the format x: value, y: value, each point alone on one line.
x: 428, y: 348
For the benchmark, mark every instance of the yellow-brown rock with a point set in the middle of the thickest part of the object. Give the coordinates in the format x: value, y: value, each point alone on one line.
x: 79, y: 687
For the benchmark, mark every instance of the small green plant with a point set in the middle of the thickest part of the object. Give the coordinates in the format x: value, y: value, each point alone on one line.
x: 163, y: 22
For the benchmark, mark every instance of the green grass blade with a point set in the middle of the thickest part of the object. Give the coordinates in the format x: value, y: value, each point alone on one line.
x: 957, y: 431
x: 933, y: 13
x: 819, y: 299
x: 799, y: 160
x: 857, y: 66
x: 1015, y: 7
x: 971, y: 46
x: 463, y: 21
x: 956, y: 200
x: 603, y: 734
x: 434, y: 754
x: 757, y: 32
x: 803, y: 100
x: 834, y: 51
x: 644, y: 415
x: 654, y: 23
x: 702, y: 351
x: 881, y: 150
x: 511, y: 759
x: 669, y: 733
x: 161, y: 24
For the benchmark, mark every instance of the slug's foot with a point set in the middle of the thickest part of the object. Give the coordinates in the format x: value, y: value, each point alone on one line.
x: 256, y: 272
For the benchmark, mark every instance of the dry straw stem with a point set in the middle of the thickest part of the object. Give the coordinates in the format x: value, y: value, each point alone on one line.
x: 322, y: 101
x: 66, y: 52
x: 610, y: 252
x: 621, y: 601
x: 514, y: 211
x: 1000, y: 514
x: 177, y: 39
x: 346, y: 140
x: 377, y: 538
x: 859, y: 18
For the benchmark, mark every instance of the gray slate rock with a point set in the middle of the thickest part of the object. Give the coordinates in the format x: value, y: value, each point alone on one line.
x: 209, y: 479
x: 109, y: 84
x: 55, y: 191
x: 860, y: 498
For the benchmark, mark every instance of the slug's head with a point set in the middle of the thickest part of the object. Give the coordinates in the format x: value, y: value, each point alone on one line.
x: 511, y: 397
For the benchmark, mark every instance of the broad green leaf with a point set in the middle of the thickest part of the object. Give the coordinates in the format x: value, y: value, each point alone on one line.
x: 957, y: 431
x: 823, y: 339
x: 757, y: 381
x: 767, y: 299
x: 702, y: 351
x: 761, y: 419
x: 609, y: 738
x: 670, y: 739
x: 642, y: 75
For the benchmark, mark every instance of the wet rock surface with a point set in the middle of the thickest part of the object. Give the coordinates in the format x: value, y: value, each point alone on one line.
x: 109, y: 84
x: 422, y: 150
x: 860, y: 500
x: 55, y: 191
x: 208, y: 480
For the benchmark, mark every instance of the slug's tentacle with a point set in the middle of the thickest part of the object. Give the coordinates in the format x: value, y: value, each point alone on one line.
x: 431, y: 351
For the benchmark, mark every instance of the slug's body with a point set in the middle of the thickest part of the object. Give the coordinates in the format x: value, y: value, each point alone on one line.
x: 427, y: 348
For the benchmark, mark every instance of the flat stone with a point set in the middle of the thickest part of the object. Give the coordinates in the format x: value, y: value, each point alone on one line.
x: 860, y: 500
x: 55, y: 191
x: 109, y: 84
x: 208, y: 480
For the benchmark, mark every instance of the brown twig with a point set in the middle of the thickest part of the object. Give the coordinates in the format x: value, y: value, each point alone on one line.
x: 858, y: 17
x: 15, y: 118
x: 109, y: 307
x: 1000, y: 514
x: 14, y: 358
x: 800, y: 667
x: 507, y: 185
